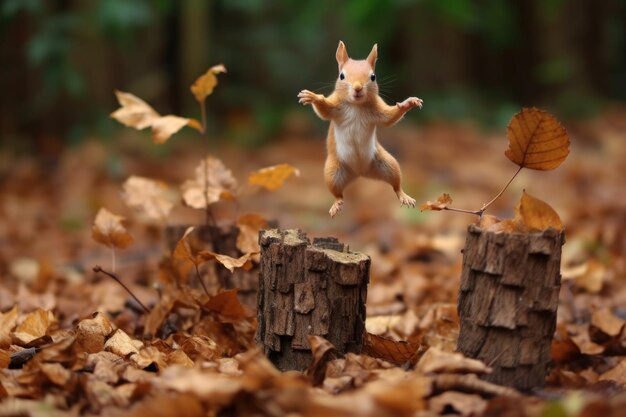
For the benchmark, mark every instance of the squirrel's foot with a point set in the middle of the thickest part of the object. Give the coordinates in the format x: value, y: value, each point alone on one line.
x: 410, y: 102
x: 307, y: 97
x: 406, y: 200
x: 336, y: 207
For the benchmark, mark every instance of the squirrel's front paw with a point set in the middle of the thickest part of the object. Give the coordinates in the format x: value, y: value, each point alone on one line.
x: 307, y: 97
x: 410, y: 102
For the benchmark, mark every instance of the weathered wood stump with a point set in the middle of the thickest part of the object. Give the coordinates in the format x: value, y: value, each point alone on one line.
x: 309, y: 289
x: 508, y: 302
x: 223, y: 240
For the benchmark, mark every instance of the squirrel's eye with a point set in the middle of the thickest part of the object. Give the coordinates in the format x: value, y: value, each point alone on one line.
x: 342, y: 76
x: 373, y: 77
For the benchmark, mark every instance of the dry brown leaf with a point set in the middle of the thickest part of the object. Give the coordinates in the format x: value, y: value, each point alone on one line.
x: 323, y: 351
x: 249, y: 227
x: 617, y: 373
x: 228, y: 262
x: 536, y: 140
x: 395, y: 351
x: 204, y: 85
x: 579, y: 334
x: 213, y: 182
x: 150, y: 197
x: 198, y: 346
x: 437, y: 361
x: 443, y: 201
x: 593, y: 277
x: 215, y: 388
x: 121, y: 344
x: 108, y: 230
x: 136, y: 113
x: 5, y: 359
x: 91, y: 333
x: 463, y: 404
x: 8, y: 321
x: 34, y: 326
x: 607, y: 322
x: 227, y: 304
x: 56, y: 373
x: 272, y: 178
x: 536, y: 215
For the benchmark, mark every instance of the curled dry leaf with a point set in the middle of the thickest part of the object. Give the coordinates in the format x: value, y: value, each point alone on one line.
x: 272, y: 178
x: 204, y: 85
x: 536, y: 140
x: 34, y: 326
x: 536, y: 215
x: 249, y: 227
x: 8, y: 321
x: 136, y: 113
x: 90, y: 333
x: 150, y: 197
x: 213, y: 182
x: 437, y: 361
x: 121, y: 344
x: 395, y: 351
x: 108, y: 230
x: 227, y: 262
x: 443, y: 201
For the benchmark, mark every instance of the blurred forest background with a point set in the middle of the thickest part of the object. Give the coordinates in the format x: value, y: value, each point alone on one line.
x: 468, y: 59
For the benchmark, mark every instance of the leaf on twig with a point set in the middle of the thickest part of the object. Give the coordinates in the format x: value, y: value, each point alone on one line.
x: 228, y: 262
x: 443, y: 201
x: 272, y: 178
x: 108, y: 230
x: 536, y: 140
x: 150, y: 197
x: 534, y: 214
x: 204, y: 85
x: 213, y: 182
x: 136, y: 113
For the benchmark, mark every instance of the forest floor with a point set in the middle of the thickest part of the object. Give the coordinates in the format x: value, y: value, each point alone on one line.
x: 208, y: 364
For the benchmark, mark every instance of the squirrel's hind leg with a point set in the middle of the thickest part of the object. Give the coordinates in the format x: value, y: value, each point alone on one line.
x: 384, y: 167
x: 337, y: 178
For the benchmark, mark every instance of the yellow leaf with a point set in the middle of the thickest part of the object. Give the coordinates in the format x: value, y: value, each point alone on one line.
x: 213, y: 182
x: 204, y: 85
x: 193, y: 123
x: 536, y: 140
x: 108, y: 230
x: 148, y: 196
x: 443, y: 201
x: 249, y: 227
x: 535, y: 214
x: 272, y: 178
x: 138, y: 114
x: 34, y: 326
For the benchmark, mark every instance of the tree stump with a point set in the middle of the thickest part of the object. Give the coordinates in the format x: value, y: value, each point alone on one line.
x: 508, y: 302
x: 223, y: 240
x: 309, y: 289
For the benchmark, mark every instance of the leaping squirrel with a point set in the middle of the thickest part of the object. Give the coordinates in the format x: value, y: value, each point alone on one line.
x: 355, y: 110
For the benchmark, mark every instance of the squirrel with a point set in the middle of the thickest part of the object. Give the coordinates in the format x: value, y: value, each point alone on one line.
x: 355, y: 110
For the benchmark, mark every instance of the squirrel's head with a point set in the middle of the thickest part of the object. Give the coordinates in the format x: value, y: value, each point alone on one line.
x: 357, y: 79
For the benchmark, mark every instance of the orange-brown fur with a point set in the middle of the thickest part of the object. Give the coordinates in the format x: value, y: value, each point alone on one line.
x: 355, y: 110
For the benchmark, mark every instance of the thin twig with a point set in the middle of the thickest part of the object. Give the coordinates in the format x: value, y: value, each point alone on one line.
x: 208, y: 220
x: 201, y: 281
x: 111, y: 275
x: 485, y: 206
x: 475, y: 212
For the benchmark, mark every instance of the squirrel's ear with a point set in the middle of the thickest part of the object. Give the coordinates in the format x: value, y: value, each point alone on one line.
x: 371, y: 58
x: 341, y: 55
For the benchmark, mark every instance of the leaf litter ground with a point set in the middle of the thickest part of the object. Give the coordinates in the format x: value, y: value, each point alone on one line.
x: 75, y: 343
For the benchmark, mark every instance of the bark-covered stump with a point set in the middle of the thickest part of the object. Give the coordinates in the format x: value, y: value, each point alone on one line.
x: 222, y: 240
x: 508, y: 301
x: 309, y: 289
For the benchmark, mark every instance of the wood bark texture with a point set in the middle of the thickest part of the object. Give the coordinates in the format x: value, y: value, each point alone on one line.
x: 222, y: 240
x: 508, y: 302
x: 309, y: 289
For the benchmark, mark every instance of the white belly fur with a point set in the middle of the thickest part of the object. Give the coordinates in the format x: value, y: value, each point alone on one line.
x: 355, y: 139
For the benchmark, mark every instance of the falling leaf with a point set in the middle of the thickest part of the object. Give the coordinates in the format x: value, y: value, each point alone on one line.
x: 443, y: 201
x: 535, y: 214
x: 138, y: 114
x: 536, y: 140
x: 148, y: 196
x: 227, y: 304
x: 272, y: 178
x: 8, y: 321
x: 213, y: 182
x: 204, y: 85
x: 249, y: 227
x: 34, y: 326
x: 121, y: 344
x: 108, y: 230
x: 395, y: 351
x: 228, y: 262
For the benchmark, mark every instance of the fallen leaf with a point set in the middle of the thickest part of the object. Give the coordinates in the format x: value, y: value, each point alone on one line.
x: 34, y: 326
x: 536, y: 140
x: 463, y: 404
x: 204, y: 85
x: 394, y: 351
x: 579, y: 334
x: 617, y: 373
x: 272, y: 178
x: 437, y: 361
x: 535, y: 214
x: 91, y: 333
x: 249, y: 227
x: 213, y: 182
x: 443, y: 201
x: 5, y: 359
x: 227, y: 304
x: 121, y: 344
x: 56, y: 373
x: 8, y: 321
x: 593, y: 278
x: 323, y: 351
x: 108, y: 230
x: 150, y: 197
x: 607, y: 322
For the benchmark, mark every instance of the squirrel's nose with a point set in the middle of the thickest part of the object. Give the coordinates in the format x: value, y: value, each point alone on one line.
x: 357, y: 87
